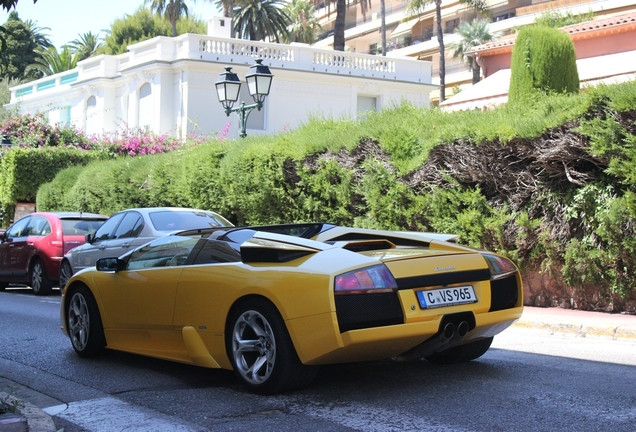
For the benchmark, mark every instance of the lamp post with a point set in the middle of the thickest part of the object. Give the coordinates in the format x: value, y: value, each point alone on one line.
x: 228, y: 86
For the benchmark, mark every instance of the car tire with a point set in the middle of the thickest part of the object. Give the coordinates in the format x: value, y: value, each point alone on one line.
x: 462, y: 353
x: 84, y: 323
x: 65, y: 273
x: 261, y: 351
x: 40, y: 283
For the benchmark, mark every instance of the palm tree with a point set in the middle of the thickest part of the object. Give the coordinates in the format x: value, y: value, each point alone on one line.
x: 172, y: 10
x: 40, y: 38
x: 52, y: 62
x: 416, y: 7
x: 304, y: 25
x: 86, y: 45
x: 260, y: 19
x: 473, y: 34
x: 339, y: 24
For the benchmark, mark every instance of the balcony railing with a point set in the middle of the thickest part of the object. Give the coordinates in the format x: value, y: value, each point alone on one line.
x: 226, y: 51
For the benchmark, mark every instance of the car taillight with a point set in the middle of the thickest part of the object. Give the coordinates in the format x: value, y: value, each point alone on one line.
x: 499, y: 266
x: 371, y: 279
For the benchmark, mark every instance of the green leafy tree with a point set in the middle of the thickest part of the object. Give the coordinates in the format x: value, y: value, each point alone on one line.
x: 52, y: 62
x: 416, y: 7
x: 20, y: 49
x: 141, y: 26
x: 472, y: 34
x: 260, y: 19
x: 304, y: 24
x: 557, y: 19
x: 7, y: 5
x: 172, y: 10
x: 544, y: 60
x: 87, y: 45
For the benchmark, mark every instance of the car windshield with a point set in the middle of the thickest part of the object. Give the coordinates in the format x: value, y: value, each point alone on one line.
x: 183, y: 220
x: 80, y: 226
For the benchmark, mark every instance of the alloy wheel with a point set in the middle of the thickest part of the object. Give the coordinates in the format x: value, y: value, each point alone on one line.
x: 253, y: 347
x: 78, y: 321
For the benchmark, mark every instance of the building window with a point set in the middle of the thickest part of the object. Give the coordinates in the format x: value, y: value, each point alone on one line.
x: 146, y: 107
x: 65, y: 116
x: 451, y: 25
x: 366, y: 104
x: 90, y: 119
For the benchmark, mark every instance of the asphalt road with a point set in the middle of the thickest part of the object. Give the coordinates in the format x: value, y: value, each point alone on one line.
x: 528, y: 381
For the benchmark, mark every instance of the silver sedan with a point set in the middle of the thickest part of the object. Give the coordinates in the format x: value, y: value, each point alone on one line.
x: 130, y: 228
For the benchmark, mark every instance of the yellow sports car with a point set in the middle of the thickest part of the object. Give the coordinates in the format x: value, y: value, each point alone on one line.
x: 273, y: 302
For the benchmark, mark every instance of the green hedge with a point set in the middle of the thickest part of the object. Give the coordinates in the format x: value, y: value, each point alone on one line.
x: 24, y: 170
x: 551, y: 185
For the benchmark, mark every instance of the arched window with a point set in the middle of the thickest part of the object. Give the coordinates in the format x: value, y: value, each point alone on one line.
x: 146, y: 107
x: 90, y: 120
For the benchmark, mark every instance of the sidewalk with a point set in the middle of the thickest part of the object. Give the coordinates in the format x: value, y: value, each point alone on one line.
x: 31, y: 417
x: 579, y: 323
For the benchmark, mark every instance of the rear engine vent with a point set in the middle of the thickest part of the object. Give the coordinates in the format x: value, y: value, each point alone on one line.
x: 442, y: 279
x: 367, y: 246
x: 504, y: 293
x: 395, y: 240
x: 359, y: 311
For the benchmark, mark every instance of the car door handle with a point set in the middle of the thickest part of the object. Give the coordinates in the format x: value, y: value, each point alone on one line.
x: 101, y: 247
x: 11, y: 245
x: 125, y: 245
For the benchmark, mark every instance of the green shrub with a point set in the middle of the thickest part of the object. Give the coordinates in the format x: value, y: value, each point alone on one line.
x: 24, y: 170
x: 544, y: 60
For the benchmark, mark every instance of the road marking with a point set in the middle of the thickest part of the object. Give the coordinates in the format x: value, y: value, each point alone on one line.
x: 369, y: 418
x: 110, y: 414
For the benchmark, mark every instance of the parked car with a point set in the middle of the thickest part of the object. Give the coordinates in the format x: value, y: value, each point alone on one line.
x: 32, y: 248
x: 272, y: 303
x: 130, y: 228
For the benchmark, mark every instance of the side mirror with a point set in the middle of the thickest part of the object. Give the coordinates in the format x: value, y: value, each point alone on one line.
x: 110, y: 264
x: 3, y: 235
x: 88, y: 238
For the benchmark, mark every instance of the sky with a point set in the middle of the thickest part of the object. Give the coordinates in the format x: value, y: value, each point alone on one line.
x: 67, y: 19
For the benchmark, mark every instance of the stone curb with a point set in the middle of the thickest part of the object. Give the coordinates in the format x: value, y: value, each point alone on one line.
x: 37, y: 420
x: 581, y: 330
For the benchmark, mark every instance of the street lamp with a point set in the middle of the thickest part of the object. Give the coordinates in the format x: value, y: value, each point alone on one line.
x: 228, y: 86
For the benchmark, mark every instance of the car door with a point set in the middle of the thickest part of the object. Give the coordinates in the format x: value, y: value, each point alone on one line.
x: 138, y: 303
x: 11, y: 247
x: 35, y: 231
x: 125, y: 238
x: 87, y: 254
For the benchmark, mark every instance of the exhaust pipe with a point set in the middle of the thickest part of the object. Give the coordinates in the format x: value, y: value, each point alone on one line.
x: 430, y: 345
x: 462, y: 330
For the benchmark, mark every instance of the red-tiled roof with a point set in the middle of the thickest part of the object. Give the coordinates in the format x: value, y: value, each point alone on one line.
x: 602, y: 25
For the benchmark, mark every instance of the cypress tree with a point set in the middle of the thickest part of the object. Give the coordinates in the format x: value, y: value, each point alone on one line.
x: 543, y: 60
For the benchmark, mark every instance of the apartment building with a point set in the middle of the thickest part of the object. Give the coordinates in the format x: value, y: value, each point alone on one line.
x: 416, y: 36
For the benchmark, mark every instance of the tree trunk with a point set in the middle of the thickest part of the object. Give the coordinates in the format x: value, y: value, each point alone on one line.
x: 339, y: 26
x: 442, y: 59
x: 173, y: 18
x: 476, y: 72
x: 383, y: 26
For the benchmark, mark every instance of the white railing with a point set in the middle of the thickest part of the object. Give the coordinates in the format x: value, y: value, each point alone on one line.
x: 299, y: 57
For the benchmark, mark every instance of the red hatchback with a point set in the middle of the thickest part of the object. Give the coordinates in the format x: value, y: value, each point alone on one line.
x: 32, y: 248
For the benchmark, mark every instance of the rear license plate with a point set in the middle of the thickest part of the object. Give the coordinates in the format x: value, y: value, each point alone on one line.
x: 446, y: 297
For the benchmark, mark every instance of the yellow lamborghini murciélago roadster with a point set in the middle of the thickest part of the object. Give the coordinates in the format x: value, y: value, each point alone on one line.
x: 273, y: 302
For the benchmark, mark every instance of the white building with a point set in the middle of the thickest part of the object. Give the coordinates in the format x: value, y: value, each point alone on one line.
x: 167, y: 86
